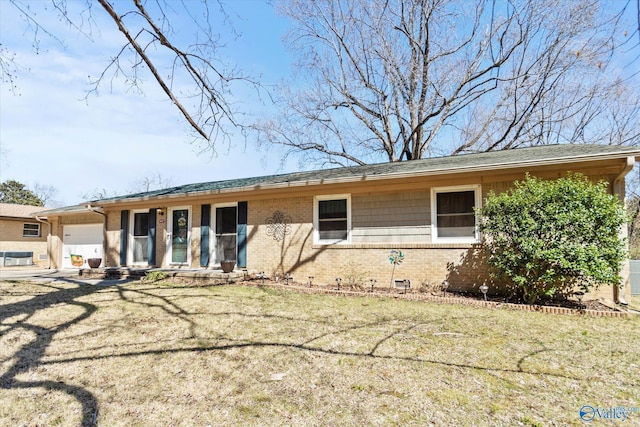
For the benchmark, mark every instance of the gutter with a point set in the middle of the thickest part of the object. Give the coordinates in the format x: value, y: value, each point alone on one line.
x: 95, y: 210
x: 44, y: 220
x: 619, y: 190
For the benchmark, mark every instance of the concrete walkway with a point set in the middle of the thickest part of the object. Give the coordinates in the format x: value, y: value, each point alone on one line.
x: 40, y: 275
x: 28, y: 273
x: 113, y: 275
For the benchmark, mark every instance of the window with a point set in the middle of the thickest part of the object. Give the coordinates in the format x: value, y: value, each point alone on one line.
x: 332, y: 219
x: 452, y: 214
x: 31, y: 230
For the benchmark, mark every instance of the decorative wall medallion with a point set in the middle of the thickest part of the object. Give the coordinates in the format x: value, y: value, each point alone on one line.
x: 278, y: 225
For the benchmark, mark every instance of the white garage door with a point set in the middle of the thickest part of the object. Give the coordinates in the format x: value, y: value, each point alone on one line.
x: 81, y: 242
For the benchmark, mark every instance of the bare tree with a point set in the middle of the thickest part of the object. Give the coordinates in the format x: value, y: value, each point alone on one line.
x: 154, y: 181
x: 176, y: 43
x: 98, y: 194
x: 46, y: 193
x: 151, y: 182
x: 399, y: 80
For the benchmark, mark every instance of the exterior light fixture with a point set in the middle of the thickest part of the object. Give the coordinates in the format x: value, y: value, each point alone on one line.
x: 484, y: 289
x: 445, y: 286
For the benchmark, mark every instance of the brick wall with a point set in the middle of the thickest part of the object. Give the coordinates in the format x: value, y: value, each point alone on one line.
x: 357, y: 262
x: 380, y: 222
x: 12, y: 239
x: 112, y: 236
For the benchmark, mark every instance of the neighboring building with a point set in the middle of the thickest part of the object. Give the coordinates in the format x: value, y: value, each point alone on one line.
x: 23, y: 238
x: 327, y: 223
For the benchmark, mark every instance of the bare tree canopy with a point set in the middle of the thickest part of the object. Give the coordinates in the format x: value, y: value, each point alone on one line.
x: 176, y: 43
x: 392, y: 80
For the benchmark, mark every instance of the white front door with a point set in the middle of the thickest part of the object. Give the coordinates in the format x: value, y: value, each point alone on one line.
x: 226, y: 224
x: 139, y: 238
x: 179, y: 236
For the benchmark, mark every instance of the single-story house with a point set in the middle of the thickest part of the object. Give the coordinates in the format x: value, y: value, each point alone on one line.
x: 325, y: 224
x: 23, y: 238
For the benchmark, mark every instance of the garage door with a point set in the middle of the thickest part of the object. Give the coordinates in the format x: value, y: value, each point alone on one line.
x: 79, y: 243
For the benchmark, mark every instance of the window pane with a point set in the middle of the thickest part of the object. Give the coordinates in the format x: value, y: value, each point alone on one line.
x: 332, y: 209
x: 141, y: 224
x: 457, y: 202
x: 226, y: 220
x: 179, y: 242
x: 332, y: 219
x: 457, y: 226
x: 455, y: 215
x: 226, y: 248
x: 333, y: 234
x: 140, y: 249
x: 31, y: 230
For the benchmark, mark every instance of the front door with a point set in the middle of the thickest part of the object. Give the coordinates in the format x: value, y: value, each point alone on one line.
x: 178, y: 234
x: 140, y: 225
x: 226, y: 233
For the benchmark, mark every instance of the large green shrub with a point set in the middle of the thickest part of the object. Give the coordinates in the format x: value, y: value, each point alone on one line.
x: 551, y: 237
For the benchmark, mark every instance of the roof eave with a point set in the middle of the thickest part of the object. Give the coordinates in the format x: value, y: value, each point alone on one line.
x: 386, y: 176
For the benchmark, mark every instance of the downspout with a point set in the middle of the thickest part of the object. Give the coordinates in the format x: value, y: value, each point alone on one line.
x: 619, y: 190
x: 104, y: 230
x: 46, y: 221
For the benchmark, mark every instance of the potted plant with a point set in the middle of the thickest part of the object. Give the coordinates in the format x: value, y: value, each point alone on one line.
x: 227, y: 265
x: 94, y: 262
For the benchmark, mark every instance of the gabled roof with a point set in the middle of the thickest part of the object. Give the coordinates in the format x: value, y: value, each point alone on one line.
x: 11, y: 210
x: 505, y: 159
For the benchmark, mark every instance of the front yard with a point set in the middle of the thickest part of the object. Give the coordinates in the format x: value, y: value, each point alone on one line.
x: 174, y: 355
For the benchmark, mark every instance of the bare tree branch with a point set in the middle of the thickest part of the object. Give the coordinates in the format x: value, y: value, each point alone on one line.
x: 189, y: 71
x: 400, y: 79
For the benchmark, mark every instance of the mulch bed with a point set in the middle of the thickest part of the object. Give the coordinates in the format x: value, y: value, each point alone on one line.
x: 591, y: 307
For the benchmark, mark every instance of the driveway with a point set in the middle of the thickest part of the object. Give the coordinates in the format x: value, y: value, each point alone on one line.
x: 43, y: 275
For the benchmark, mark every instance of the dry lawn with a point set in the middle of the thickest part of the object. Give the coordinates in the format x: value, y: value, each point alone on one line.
x: 174, y: 355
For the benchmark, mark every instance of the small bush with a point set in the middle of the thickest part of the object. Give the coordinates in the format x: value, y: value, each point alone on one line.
x: 545, y: 238
x: 154, y: 276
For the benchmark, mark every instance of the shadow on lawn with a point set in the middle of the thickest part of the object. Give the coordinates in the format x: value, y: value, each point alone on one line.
x: 31, y: 355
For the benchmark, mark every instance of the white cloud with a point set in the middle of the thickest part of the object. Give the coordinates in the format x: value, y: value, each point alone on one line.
x: 51, y: 136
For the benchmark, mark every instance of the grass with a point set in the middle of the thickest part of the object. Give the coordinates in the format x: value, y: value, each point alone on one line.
x: 160, y: 354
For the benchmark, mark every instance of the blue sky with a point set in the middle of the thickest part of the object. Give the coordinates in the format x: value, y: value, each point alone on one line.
x: 50, y: 135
